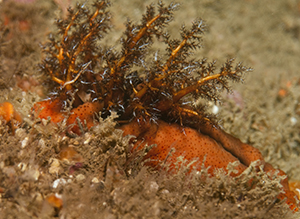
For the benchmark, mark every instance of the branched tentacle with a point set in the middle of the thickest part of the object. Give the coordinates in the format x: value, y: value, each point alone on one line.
x: 65, y: 60
x: 75, y: 61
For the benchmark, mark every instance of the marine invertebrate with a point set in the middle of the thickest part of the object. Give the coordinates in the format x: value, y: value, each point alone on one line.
x: 151, y: 95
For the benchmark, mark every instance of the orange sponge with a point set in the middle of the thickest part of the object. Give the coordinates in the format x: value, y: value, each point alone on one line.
x: 10, y: 115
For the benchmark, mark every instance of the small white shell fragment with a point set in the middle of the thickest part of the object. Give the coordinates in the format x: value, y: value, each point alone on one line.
x: 22, y: 166
x: 55, y: 166
x: 154, y: 186
x: 36, y: 175
x: 95, y: 180
x: 293, y: 120
x: 87, y: 137
x: 80, y: 177
x: 44, y: 122
x: 165, y: 191
x: 24, y: 142
x: 64, y: 138
x: 58, y: 182
x: 215, y: 109
x: 58, y: 195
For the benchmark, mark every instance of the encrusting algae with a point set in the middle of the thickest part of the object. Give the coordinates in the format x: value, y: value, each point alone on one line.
x: 150, y: 93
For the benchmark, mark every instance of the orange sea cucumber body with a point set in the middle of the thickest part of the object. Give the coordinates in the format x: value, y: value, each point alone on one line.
x: 192, y: 144
x: 187, y: 142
